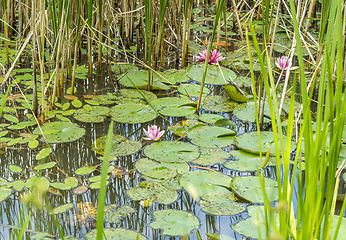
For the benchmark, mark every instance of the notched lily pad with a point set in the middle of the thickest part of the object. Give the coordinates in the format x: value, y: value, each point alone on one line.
x: 140, y: 79
x: 249, y: 188
x: 162, y: 170
x: 170, y: 152
x: 120, y: 146
x: 155, y: 192
x: 218, y: 104
x: 214, y: 75
x: 221, y: 203
x: 199, y: 183
x: 96, y: 114
x: 183, y: 127
x: 174, y: 222
x: 59, y: 132
x: 174, y: 106
x: 211, y: 137
x: 132, y: 113
x: 247, y: 161
x: 192, y: 90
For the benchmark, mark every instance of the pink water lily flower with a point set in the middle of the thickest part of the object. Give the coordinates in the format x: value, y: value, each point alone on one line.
x: 215, y: 56
x: 153, y: 133
x: 283, y: 62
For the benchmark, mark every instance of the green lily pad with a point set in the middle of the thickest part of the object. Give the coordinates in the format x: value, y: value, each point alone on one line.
x: 120, y: 146
x: 211, y: 156
x: 248, y: 142
x: 45, y: 166
x: 249, y: 188
x: 96, y: 114
x: 183, y: 127
x: 174, y: 222
x: 210, y: 118
x: 243, y: 81
x: 85, y: 170
x: 211, y: 137
x: 129, y: 95
x: 15, y: 169
x: 59, y: 132
x: 121, y: 67
x: 192, y: 90
x: 247, y: 161
x: 33, y: 144
x: 155, y: 192
x: 10, y: 118
x: 113, y: 213
x: 62, y: 208
x: 174, y: 106
x: 43, y: 153
x: 225, y: 123
x: 116, y: 234
x: 220, y: 203
x: 162, y: 170
x: 140, y: 79
x: 105, y: 99
x: 215, y: 236
x: 132, y: 113
x: 174, y: 76
x: 3, y: 182
x: 59, y: 185
x: 22, y: 125
x: 214, y: 75
x: 172, y: 183
x: 4, y: 193
x: 18, y: 185
x: 77, y: 103
x: 40, y: 182
x: 234, y: 94
x: 255, y: 224
x: 172, y: 152
x: 218, y: 104
x: 71, y: 181
x: 199, y: 183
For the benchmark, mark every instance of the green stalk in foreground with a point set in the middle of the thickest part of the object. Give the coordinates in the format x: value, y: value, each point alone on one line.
x: 102, y: 192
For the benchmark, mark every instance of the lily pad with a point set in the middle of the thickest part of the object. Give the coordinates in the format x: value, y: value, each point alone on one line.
x: 211, y: 156
x: 59, y: 185
x: 132, y: 113
x: 59, y: 132
x: 96, y: 114
x: 174, y: 222
x: 162, y: 170
x: 214, y: 75
x: 183, y: 127
x: 172, y: 152
x: 15, y: 169
x: 210, y: 117
x: 173, y: 106
x: 247, y: 161
x: 71, y: 181
x: 211, y: 137
x: 4, y: 193
x: 172, y: 183
x: 234, y: 94
x: 140, y: 79
x: 155, y: 192
x: 120, y: 146
x: 45, y: 166
x: 192, y: 90
x: 43, y: 153
x: 85, y: 170
x: 220, y: 203
x: 218, y: 104
x: 62, y: 208
x: 113, y: 213
x: 129, y: 95
x: 18, y: 185
x: 248, y: 142
x: 255, y: 224
x: 174, y: 76
x: 123, y: 67
x: 199, y: 183
x: 105, y: 99
x: 116, y: 234
x: 249, y: 188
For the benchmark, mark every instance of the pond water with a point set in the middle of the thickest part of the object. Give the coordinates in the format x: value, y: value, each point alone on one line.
x: 74, y: 155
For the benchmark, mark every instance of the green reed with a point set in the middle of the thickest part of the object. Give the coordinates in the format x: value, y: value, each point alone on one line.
x: 314, y: 214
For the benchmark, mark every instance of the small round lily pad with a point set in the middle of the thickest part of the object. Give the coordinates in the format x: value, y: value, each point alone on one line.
x: 210, y: 117
x: 113, y: 213
x: 169, y: 151
x: 132, y: 113
x: 220, y: 203
x: 120, y: 146
x: 174, y: 222
x: 96, y: 114
x: 183, y: 127
x: 249, y: 188
x: 174, y: 106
